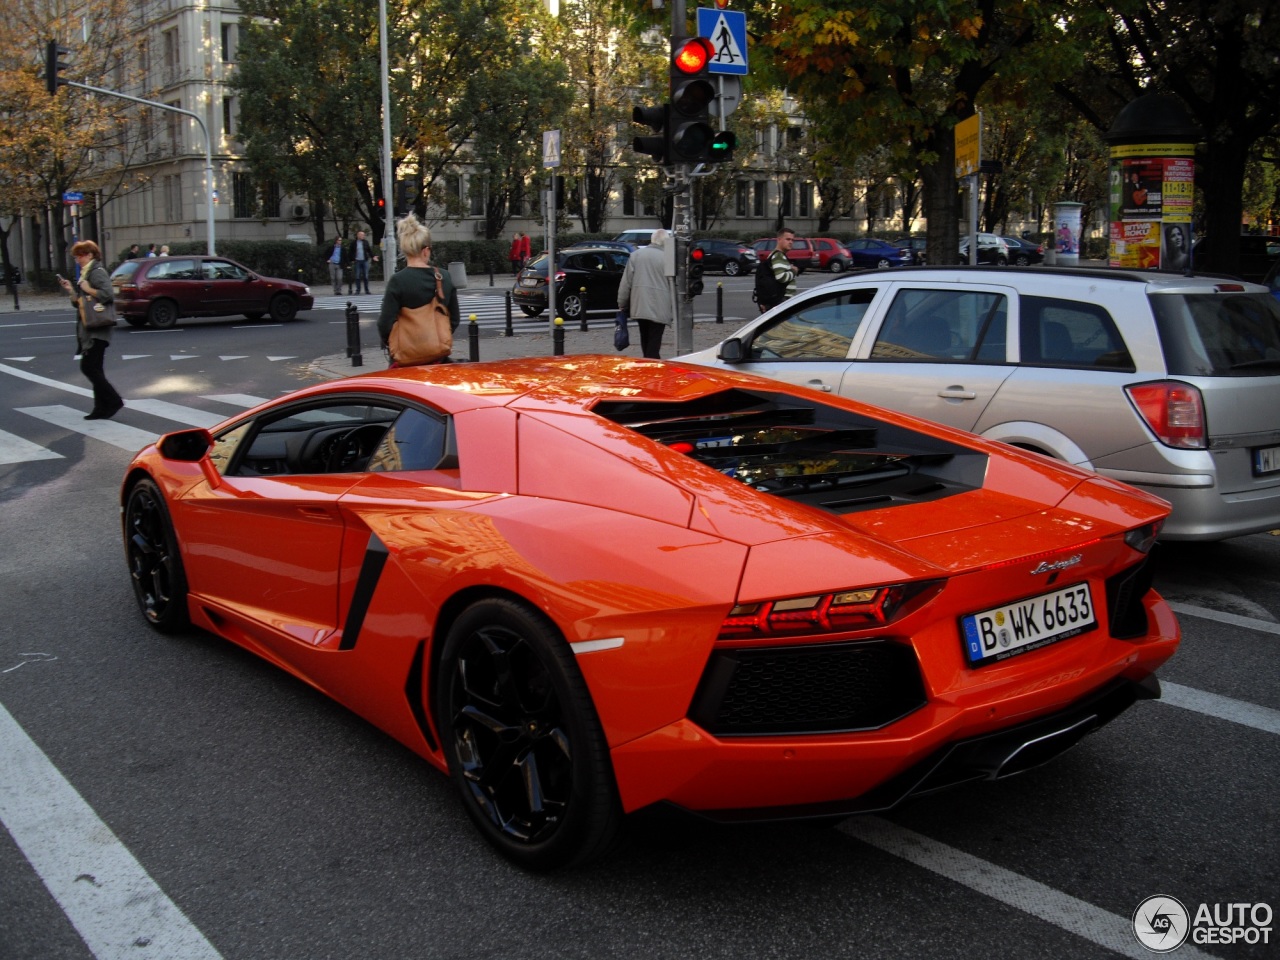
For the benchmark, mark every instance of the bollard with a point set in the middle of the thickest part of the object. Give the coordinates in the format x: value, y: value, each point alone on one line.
x: 509, y: 332
x: 473, y: 338
x: 491, y: 273
x: 719, y: 303
x: 557, y: 338
x: 354, y: 350
x: 582, y: 291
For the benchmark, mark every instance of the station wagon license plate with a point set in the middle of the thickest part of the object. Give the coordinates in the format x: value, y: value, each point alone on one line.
x: 1002, y: 632
x: 1266, y: 460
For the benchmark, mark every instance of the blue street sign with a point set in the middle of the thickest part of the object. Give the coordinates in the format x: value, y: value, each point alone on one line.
x: 727, y: 31
x: 72, y: 196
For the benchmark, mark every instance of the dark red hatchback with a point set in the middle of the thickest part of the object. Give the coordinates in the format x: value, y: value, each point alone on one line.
x: 159, y: 290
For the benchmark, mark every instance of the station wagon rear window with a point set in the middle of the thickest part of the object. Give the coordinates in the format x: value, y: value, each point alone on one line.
x: 1216, y: 335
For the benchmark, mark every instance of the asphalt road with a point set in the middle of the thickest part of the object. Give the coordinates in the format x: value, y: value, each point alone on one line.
x: 267, y: 823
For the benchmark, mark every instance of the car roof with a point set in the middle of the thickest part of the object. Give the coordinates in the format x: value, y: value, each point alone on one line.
x: 1156, y: 282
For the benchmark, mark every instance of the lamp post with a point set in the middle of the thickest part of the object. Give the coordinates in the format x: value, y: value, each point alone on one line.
x: 389, y: 232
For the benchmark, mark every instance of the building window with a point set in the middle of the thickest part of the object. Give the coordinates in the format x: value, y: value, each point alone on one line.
x: 242, y: 196
x: 228, y: 43
x: 742, y: 204
x: 174, y: 122
x: 144, y: 129
x: 804, y: 199
x: 784, y: 201
x: 478, y: 189
x: 228, y: 128
x: 760, y: 190
x: 628, y: 200
x: 144, y: 63
x: 173, y: 198
x: 271, y: 197
x: 172, y: 55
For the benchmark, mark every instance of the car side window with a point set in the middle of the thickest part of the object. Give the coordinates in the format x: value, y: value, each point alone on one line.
x: 416, y: 441
x: 328, y: 438
x: 1069, y: 333
x: 819, y: 329
x: 223, y: 270
x: 968, y: 326
x: 174, y: 270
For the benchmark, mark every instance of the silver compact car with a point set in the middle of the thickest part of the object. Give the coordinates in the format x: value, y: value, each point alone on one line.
x: 1165, y: 382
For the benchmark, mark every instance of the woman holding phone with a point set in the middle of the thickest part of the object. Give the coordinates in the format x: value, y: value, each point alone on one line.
x: 93, y: 292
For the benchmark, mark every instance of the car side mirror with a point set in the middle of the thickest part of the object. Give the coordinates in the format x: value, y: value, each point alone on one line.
x: 731, y: 351
x: 186, y: 446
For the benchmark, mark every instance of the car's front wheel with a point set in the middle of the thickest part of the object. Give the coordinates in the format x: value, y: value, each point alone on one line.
x: 883, y: 264
x: 163, y: 313
x: 836, y: 265
x: 524, y: 744
x: 283, y: 308
x: 155, y: 565
x: 732, y: 268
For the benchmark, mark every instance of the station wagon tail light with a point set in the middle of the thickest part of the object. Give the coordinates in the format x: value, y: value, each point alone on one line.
x: 827, y: 612
x: 1173, y: 410
x: 1143, y: 538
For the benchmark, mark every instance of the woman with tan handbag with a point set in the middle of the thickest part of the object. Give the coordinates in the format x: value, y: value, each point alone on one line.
x: 94, y: 300
x: 420, y: 305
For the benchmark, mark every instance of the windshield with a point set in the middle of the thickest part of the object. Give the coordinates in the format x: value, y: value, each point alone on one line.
x: 1212, y: 335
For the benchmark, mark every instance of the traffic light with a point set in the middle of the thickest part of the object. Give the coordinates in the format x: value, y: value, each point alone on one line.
x: 692, y: 92
x: 722, y: 147
x: 53, y: 65
x: 696, y: 266
x: 655, y: 118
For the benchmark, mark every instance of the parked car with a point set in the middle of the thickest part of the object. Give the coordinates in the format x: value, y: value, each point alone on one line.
x: 587, y: 278
x: 582, y: 586
x: 159, y: 290
x: 1023, y: 252
x: 919, y: 247
x: 637, y: 238
x: 1272, y: 280
x: 832, y: 254
x: 727, y: 256
x: 1258, y: 254
x: 1165, y: 382
x: 802, y: 255
x: 992, y: 249
x: 868, y: 252
x: 615, y: 244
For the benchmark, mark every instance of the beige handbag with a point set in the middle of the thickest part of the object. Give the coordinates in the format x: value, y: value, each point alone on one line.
x: 422, y: 334
x: 95, y: 315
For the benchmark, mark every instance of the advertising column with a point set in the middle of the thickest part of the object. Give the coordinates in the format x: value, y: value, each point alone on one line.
x: 1066, y: 232
x: 1153, y: 144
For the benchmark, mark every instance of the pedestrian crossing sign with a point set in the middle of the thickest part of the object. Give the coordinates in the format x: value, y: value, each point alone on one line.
x: 727, y: 31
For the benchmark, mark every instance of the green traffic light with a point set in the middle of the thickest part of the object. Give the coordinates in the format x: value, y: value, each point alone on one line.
x: 722, y: 146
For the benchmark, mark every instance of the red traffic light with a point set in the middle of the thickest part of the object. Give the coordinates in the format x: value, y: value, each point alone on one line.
x: 696, y: 254
x: 693, y: 56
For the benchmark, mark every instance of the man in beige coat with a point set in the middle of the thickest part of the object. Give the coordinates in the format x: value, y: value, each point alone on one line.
x: 647, y: 294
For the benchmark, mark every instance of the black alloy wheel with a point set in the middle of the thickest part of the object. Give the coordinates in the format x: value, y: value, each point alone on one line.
x: 163, y: 313
x: 283, y: 308
x: 524, y: 744
x: 155, y: 565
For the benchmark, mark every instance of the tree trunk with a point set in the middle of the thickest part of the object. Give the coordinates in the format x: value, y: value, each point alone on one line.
x: 1224, y: 172
x: 940, y: 200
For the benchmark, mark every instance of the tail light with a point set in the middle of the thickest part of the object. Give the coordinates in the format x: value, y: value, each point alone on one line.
x: 560, y: 275
x: 1143, y: 538
x: 827, y: 612
x: 1173, y: 410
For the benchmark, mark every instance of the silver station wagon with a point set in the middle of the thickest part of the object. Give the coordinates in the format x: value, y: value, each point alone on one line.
x: 1166, y: 382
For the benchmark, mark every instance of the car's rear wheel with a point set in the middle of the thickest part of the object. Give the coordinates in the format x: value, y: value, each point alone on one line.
x: 524, y: 744
x: 163, y: 313
x: 155, y: 565
x: 1002, y: 260
x: 732, y: 268
x: 1022, y: 260
x: 530, y: 311
x: 572, y: 305
x: 283, y: 308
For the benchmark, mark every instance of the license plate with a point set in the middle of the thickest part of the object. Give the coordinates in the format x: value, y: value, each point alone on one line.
x: 528, y: 282
x: 1266, y: 460
x: 1015, y: 628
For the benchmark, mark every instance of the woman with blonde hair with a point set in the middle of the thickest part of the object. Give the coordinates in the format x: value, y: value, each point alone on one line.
x: 93, y: 293
x: 415, y: 286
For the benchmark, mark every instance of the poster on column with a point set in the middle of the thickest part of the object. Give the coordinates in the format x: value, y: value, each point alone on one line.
x: 1135, y: 246
x: 1140, y: 193
x: 1178, y: 189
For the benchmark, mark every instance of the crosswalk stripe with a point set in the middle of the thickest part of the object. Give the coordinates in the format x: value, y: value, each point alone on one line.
x: 36, y: 378
x: 244, y: 400
x: 108, y: 431
x: 14, y: 449
x: 175, y: 411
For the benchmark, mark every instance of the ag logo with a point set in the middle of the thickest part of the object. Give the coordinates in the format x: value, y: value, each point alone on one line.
x: 1161, y: 924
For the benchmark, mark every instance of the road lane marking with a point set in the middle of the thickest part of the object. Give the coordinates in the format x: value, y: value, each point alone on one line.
x: 175, y: 411
x: 46, y: 381
x: 108, y: 431
x: 1064, y: 911
x: 14, y: 449
x: 1224, y: 708
x: 1235, y: 619
x: 115, y: 906
x: 243, y: 400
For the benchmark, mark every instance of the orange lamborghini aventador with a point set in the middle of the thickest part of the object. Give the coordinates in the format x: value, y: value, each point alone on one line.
x: 584, y: 585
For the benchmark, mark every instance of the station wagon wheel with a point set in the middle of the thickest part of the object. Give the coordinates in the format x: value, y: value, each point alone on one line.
x: 732, y: 268
x: 572, y: 305
x: 155, y: 565
x: 523, y: 741
x: 283, y: 308
x: 163, y: 313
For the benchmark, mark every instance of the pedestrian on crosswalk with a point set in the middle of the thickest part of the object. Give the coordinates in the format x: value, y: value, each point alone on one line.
x: 336, y: 259
x: 94, y: 288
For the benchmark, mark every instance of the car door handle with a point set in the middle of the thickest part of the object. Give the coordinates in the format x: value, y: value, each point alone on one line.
x: 819, y: 385
x: 957, y: 392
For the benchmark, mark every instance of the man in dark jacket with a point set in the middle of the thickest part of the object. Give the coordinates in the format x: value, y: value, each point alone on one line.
x: 360, y: 254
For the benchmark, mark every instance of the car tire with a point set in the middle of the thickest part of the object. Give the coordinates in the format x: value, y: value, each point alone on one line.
x: 1022, y: 260
x: 254, y: 315
x: 283, y: 308
x: 732, y: 268
x: 572, y: 306
x: 883, y: 264
x: 530, y: 311
x: 155, y: 562
x: 522, y: 738
x: 163, y: 313
x: 836, y: 265
x: 1002, y: 261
